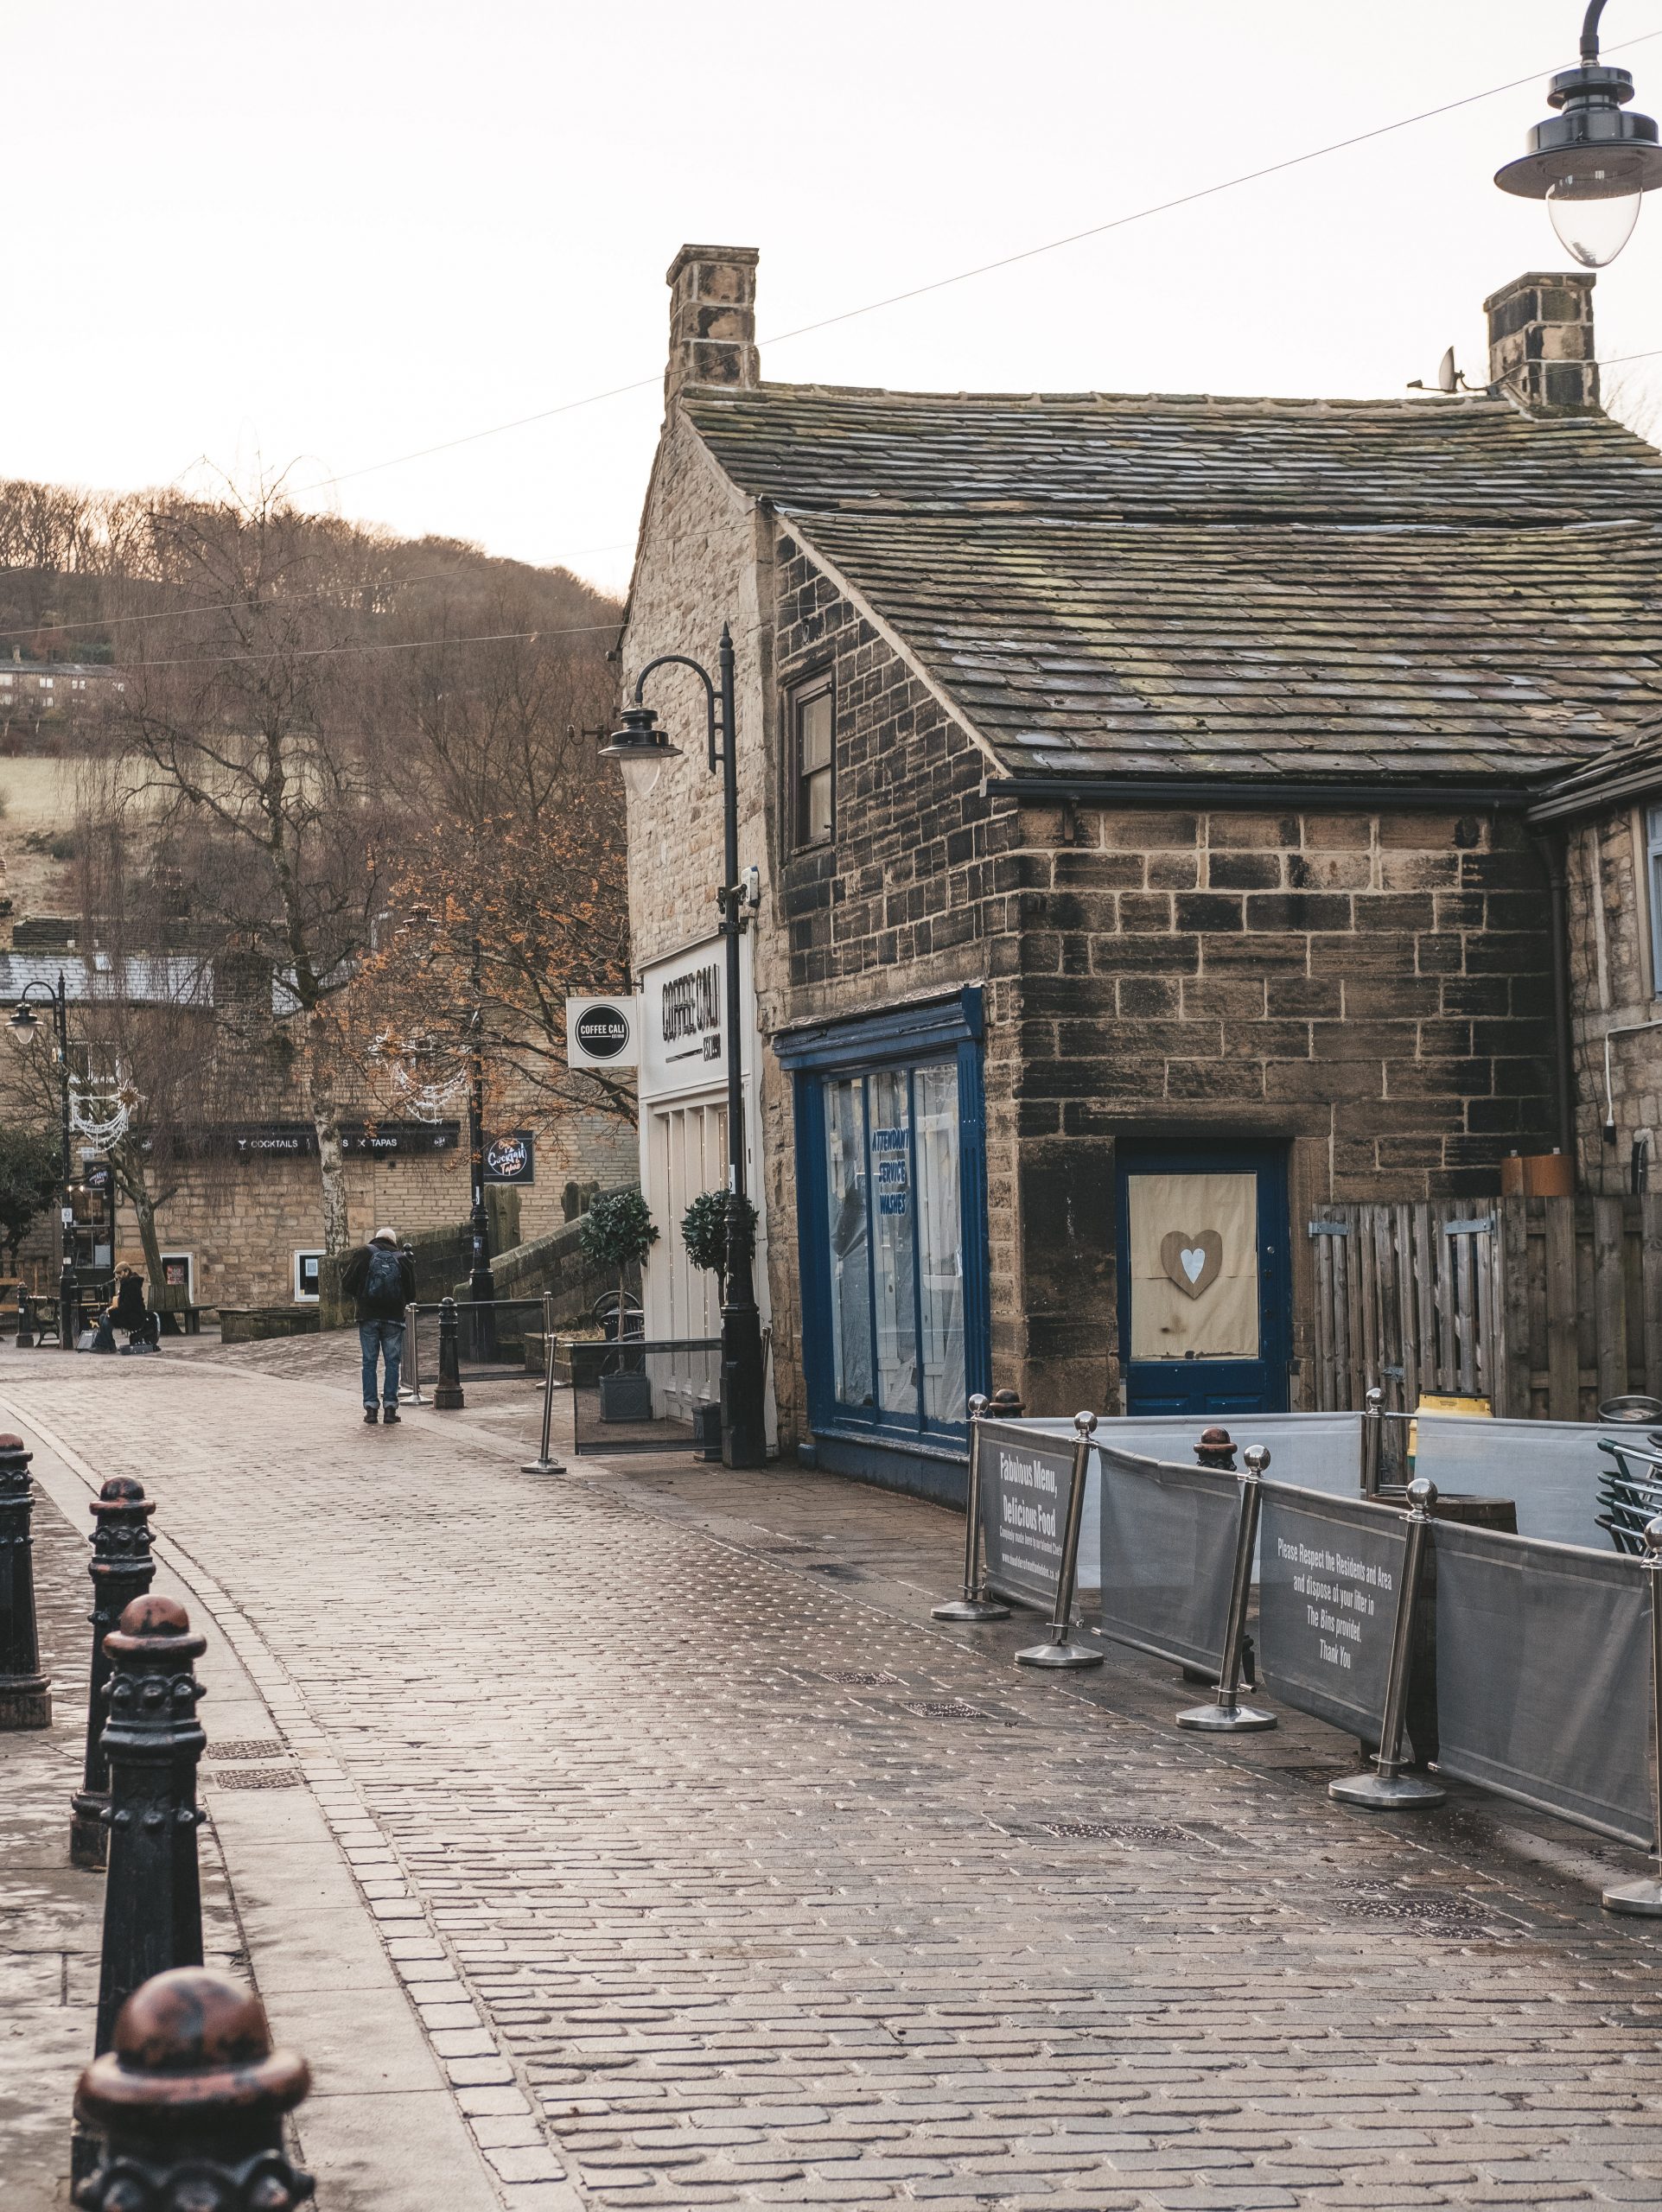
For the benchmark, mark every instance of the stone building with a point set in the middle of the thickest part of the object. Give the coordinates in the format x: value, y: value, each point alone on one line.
x: 1138, y: 787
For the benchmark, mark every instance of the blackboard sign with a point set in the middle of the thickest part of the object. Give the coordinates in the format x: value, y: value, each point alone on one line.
x: 1025, y: 1481
x: 1167, y: 1556
x: 1329, y: 1572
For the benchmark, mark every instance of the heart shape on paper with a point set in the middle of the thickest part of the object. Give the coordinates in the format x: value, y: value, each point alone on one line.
x: 1192, y: 1262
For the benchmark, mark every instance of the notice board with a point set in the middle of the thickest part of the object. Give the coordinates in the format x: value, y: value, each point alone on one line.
x: 1025, y: 1481
x: 1329, y: 1572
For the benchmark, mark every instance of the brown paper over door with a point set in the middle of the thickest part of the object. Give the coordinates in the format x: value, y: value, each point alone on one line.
x: 1193, y: 1244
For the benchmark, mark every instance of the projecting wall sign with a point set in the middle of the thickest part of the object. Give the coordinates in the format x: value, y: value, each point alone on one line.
x: 603, y: 1033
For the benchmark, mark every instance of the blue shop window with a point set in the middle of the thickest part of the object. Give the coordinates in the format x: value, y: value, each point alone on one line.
x: 891, y: 1181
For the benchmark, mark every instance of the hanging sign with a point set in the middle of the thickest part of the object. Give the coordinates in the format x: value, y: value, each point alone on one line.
x: 511, y: 1158
x: 603, y: 1033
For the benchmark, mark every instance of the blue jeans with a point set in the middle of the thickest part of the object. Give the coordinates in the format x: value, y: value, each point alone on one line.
x: 387, y: 1338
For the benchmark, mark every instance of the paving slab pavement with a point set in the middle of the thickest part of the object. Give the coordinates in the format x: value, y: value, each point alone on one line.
x: 716, y: 1874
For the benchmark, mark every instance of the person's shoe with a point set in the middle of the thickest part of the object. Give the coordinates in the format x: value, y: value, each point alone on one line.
x: 389, y: 1417
x: 370, y: 1416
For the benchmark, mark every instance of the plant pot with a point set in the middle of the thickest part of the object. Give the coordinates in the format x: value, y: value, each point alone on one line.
x: 625, y: 1397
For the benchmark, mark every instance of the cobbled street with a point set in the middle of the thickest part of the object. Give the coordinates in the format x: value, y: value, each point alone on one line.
x: 716, y: 1874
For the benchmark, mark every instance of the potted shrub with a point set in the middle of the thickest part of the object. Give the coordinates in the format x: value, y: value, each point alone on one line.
x: 703, y: 1233
x: 618, y: 1231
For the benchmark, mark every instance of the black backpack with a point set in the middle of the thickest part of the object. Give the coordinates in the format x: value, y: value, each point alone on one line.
x: 384, y: 1283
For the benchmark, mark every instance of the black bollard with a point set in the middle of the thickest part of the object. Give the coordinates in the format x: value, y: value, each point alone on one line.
x: 121, y: 1569
x: 152, y: 1898
x: 1005, y: 1405
x: 189, y: 2103
x: 25, y: 1319
x: 68, y: 1306
x: 1216, y: 1449
x: 25, y: 1692
x: 447, y: 1391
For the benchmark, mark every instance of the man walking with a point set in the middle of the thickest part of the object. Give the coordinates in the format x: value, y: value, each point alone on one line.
x: 383, y: 1280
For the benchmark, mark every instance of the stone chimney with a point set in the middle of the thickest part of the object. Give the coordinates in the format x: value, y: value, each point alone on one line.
x: 712, y: 318
x: 1541, y: 343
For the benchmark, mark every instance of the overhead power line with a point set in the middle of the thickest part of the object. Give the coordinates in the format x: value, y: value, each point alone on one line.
x: 980, y: 269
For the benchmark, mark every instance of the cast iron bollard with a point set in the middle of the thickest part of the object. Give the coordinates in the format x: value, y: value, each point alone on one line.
x: 25, y: 1319
x: 447, y: 1391
x: 1226, y: 1715
x: 122, y: 1569
x: 977, y: 1604
x: 25, y: 1692
x: 1388, y: 1788
x: 1005, y: 1405
x: 152, y: 1898
x: 1216, y: 1449
x: 1644, y: 1898
x: 1061, y: 1650
x: 190, y: 2103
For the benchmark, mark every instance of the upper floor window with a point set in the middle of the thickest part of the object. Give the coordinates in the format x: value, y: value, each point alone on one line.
x: 812, y: 772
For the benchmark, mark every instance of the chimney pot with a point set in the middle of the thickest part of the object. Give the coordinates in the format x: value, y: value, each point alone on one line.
x: 1541, y: 343
x: 713, y: 318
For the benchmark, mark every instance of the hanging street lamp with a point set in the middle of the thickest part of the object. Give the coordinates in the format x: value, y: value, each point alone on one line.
x: 642, y: 750
x: 1593, y: 160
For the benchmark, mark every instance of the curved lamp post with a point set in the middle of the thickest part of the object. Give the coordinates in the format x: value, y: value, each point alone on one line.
x: 24, y: 1025
x: 642, y: 750
x: 1593, y: 160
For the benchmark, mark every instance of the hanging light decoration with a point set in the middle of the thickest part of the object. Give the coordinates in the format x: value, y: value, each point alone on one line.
x: 1593, y: 160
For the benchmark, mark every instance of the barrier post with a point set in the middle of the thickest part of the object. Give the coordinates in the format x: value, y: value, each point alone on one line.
x: 1061, y: 1650
x: 975, y: 1604
x: 1226, y: 1715
x: 410, y: 1388
x: 447, y: 1391
x: 189, y: 2103
x: 1372, y: 1439
x: 122, y: 1569
x: 545, y: 1463
x: 25, y: 1319
x: 1388, y: 1789
x: 25, y: 1692
x: 1644, y: 1898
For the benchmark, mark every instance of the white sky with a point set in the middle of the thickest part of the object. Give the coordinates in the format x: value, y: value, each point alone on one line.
x: 336, y: 230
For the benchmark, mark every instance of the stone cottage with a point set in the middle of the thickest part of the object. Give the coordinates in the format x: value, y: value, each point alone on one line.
x: 1138, y: 788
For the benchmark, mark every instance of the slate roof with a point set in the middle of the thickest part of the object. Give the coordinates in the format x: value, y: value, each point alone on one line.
x: 1135, y: 587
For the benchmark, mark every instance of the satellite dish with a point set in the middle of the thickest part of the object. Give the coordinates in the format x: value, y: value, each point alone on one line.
x: 1448, y: 375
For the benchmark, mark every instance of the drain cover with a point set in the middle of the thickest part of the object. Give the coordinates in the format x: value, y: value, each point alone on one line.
x: 252, y: 1748
x: 946, y: 1708
x: 855, y: 1678
x: 257, y: 1777
x: 1453, y: 1916
x: 1115, y: 1831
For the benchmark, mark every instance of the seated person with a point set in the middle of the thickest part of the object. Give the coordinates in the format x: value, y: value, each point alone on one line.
x: 129, y: 1311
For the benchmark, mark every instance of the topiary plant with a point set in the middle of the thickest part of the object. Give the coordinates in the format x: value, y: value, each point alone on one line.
x: 618, y: 1231
x: 703, y: 1231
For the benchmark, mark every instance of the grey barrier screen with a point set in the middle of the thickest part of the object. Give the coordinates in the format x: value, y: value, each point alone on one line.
x: 1329, y: 1569
x: 491, y: 1338
x: 1550, y: 1468
x: 643, y: 1394
x: 1025, y: 1480
x: 1168, y: 1536
x: 1543, y: 1676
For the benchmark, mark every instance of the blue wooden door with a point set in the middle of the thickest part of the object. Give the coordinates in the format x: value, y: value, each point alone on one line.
x: 1205, y: 1283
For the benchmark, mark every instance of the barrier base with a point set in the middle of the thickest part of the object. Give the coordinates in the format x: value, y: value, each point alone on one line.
x: 543, y: 1467
x: 970, y: 1609
x: 1059, y: 1655
x: 1642, y: 1899
x: 1220, y: 1720
x: 1385, y: 1793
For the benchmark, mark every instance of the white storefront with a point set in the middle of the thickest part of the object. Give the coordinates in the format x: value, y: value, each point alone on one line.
x: 684, y: 1039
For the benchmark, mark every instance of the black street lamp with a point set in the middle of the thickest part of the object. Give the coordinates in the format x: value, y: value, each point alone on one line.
x: 1592, y: 162
x: 481, y: 1284
x: 25, y: 1027
x: 641, y: 748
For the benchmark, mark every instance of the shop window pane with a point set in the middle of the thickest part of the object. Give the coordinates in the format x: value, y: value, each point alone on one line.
x: 850, y: 1271
x: 941, y: 1252
x: 895, y: 1266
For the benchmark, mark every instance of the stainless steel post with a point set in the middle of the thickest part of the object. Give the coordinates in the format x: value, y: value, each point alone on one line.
x: 1061, y: 1650
x: 1644, y: 1898
x: 1226, y: 1715
x: 543, y: 1464
x: 1372, y: 1438
x: 1388, y: 1788
x: 975, y: 1604
x: 410, y: 1389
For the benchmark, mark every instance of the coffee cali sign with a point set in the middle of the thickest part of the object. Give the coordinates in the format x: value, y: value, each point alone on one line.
x: 603, y: 1033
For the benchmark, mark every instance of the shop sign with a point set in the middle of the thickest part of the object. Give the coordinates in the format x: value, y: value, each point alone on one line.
x: 511, y: 1158
x: 603, y: 1033
x: 891, y: 1161
x: 1024, y: 1487
x: 298, y: 1140
x: 686, y: 1019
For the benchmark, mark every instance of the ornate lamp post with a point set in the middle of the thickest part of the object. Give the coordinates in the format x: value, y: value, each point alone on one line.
x: 641, y: 749
x: 25, y: 1027
x: 1592, y: 161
